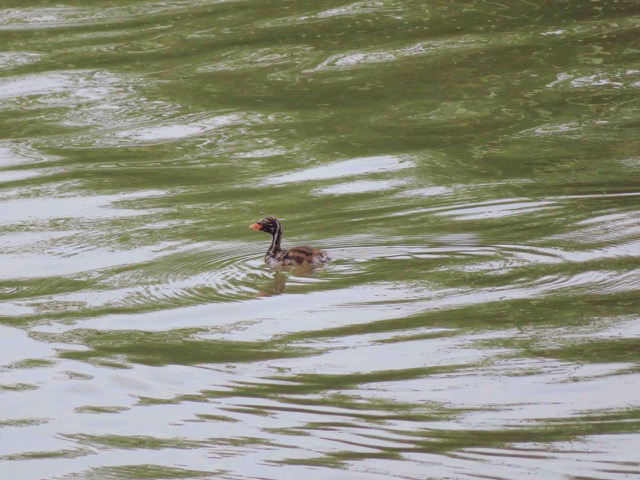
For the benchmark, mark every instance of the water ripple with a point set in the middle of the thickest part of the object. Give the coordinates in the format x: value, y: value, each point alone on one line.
x: 471, y: 167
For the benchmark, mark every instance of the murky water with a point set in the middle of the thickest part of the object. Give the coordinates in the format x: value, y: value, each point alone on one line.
x: 472, y: 167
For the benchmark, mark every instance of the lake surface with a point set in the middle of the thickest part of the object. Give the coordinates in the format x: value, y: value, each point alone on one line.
x: 473, y: 168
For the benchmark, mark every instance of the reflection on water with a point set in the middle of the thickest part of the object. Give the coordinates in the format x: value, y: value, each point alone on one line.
x: 471, y: 169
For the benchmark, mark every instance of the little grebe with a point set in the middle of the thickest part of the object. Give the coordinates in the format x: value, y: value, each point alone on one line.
x: 277, y: 256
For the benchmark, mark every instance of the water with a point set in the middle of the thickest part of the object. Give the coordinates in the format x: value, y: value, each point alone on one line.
x: 471, y: 167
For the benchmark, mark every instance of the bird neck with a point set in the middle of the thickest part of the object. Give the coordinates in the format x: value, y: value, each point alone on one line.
x: 275, y: 241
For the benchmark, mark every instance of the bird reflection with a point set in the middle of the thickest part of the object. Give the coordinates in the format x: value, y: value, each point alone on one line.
x: 276, y: 286
x: 278, y: 282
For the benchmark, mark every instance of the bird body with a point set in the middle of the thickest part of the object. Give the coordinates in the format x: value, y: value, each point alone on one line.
x: 297, y: 256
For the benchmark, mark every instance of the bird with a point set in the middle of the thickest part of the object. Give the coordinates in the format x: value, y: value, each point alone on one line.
x: 296, y: 256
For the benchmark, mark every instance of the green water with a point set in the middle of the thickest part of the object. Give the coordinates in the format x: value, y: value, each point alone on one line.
x: 473, y: 168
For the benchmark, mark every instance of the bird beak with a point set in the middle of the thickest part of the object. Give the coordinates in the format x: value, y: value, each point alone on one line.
x: 256, y: 226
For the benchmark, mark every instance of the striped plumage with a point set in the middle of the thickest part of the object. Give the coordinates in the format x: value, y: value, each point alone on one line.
x: 277, y: 256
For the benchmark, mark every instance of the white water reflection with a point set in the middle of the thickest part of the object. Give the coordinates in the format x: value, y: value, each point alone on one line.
x: 10, y: 60
x: 16, y: 347
x: 496, y: 209
x: 49, y: 84
x: 360, y: 186
x: 60, y: 16
x: 21, y: 154
x: 345, y: 168
x: 187, y: 127
x: 92, y: 207
x: 32, y: 265
x: 16, y: 175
